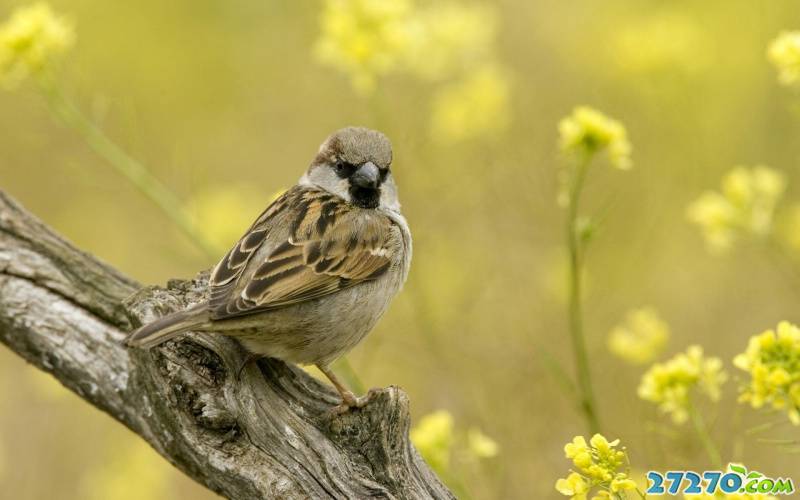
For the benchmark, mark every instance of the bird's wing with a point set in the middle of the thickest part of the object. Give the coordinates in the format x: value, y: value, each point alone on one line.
x: 307, y: 244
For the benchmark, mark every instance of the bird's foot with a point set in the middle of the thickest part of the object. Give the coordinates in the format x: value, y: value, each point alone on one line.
x: 349, y: 400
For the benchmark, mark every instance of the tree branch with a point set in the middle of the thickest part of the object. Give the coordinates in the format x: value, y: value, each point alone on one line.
x: 268, y: 435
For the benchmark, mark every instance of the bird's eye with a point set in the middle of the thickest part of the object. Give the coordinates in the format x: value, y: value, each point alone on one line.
x: 343, y: 169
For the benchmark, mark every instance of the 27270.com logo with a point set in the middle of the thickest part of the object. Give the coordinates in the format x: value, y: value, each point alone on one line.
x: 736, y: 480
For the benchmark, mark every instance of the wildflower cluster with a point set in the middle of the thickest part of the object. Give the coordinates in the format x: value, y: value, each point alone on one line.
x: 435, y: 438
x: 582, y: 134
x: 773, y: 361
x: 480, y: 445
x: 587, y: 131
x: 29, y: 40
x: 364, y: 38
x: 367, y: 39
x: 640, y: 338
x: 597, y: 467
x: 746, y: 204
x: 446, y: 43
x: 784, y: 53
x: 670, y: 384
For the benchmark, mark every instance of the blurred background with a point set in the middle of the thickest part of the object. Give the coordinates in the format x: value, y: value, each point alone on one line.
x: 227, y: 102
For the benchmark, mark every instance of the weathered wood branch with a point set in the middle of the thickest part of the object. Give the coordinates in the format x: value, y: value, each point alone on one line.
x: 268, y: 434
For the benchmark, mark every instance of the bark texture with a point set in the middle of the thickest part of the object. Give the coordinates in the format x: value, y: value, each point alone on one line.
x: 267, y: 433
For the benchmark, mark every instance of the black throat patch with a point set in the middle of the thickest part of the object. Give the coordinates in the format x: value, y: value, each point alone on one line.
x: 365, y: 197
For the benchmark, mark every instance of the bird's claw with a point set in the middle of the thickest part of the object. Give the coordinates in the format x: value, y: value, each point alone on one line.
x: 349, y: 400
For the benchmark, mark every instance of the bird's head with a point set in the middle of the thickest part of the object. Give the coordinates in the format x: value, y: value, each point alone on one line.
x: 354, y: 163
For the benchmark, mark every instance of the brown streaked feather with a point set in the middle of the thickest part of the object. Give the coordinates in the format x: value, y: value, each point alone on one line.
x: 330, y: 246
x: 227, y: 272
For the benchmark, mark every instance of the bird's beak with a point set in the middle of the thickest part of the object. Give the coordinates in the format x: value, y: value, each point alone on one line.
x: 367, y: 176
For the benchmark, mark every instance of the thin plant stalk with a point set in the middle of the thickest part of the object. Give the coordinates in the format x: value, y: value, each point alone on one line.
x: 768, y: 426
x: 133, y: 171
x: 557, y: 372
x: 575, y: 312
x: 638, y: 491
x: 705, y: 438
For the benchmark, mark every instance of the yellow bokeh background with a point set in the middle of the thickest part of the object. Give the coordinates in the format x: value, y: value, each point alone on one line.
x: 227, y: 102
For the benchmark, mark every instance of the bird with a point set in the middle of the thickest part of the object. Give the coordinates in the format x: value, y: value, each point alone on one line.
x: 316, y: 270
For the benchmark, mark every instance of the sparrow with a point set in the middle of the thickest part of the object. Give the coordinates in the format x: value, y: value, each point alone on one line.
x: 318, y: 268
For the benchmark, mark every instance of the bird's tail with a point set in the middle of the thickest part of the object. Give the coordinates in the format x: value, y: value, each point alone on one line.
x: 171, y: 325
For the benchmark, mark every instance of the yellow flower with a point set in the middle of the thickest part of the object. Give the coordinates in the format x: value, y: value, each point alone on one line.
x: 599, y: 461
x: 478, y: 105
x: 365, y: 39
x: 29, y: 40
x: 434, y: 41
x: 574, y: 486
x: 773, y: 361
x: 448, y: 38
x: 745, y: 205
x: 717, y: 217
x: 601, y: 444
x: 579, y: 452
x: 669, y: 384
x: 433, y: 437
x: 640, y: 338
x: 587, y: 131
x: 622, y: 483
x: 598, y: 464
x: 578, y: 445
x: 754, y: 192
x: 480, y: 445
x: 368, y: 39
x: 784, y: 53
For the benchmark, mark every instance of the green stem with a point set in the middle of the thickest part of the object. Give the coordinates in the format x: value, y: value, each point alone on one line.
x: 587, y: 400
x: 766, y: 427
x: 558, y: 373
x: 136, y: 173
x: 705, y: 438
